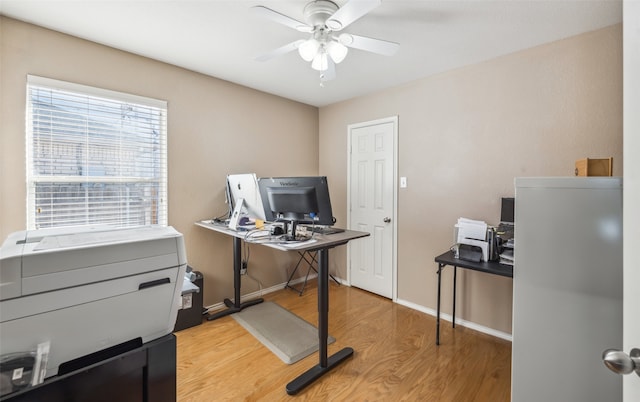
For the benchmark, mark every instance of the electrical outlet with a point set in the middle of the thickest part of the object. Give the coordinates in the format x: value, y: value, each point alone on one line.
x: 243, y: 269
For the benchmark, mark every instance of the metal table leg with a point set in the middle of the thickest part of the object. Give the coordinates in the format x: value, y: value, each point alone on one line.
x: 453, y: 320
x: 440, y: 266
x: 235, y: 305
x: 325, y: 363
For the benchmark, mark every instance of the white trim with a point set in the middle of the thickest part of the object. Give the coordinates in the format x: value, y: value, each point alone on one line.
x: 446, y: 317
x: 94, y: 91
x: 394, y: 247
x: 258, y: 294
x: 274, y: 288
x: 464, y: 323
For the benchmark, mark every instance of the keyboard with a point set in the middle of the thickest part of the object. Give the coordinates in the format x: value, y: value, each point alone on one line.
x: 324, y: 229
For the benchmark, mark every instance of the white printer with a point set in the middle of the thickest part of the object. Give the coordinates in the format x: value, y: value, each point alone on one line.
x: 85, y: 290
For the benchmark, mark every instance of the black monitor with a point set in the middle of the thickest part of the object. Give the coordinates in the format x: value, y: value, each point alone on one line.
x: 507, y: 210
x: 296, y: 200
x: 293, y: 203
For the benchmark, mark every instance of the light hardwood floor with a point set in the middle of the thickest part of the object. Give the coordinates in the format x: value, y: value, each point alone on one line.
x: 395, y: 357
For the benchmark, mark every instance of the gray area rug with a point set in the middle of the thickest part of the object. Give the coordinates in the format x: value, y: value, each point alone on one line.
x: 288, y: 336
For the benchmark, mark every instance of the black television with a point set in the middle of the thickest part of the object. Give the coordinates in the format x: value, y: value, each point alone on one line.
x: 296, y: 200
x: 507, y: 210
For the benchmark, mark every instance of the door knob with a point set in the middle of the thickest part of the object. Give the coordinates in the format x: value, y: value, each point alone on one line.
x: 621, y: 363
x: 387, y: 220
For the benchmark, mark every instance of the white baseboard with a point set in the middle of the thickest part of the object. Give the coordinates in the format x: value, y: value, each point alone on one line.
x: 464, y: 323
x: 446, y: 317
x: 259, y: 293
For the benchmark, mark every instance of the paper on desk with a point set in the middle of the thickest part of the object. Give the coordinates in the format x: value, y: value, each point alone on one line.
x: 297, y: 244
x: 471, y: 229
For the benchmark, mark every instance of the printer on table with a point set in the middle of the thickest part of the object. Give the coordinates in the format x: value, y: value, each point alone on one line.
x: 86, y: 290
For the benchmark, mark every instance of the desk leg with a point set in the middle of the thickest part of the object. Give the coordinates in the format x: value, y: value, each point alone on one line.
x: 235, y: 305
x: 440, y: 266
x: 325, y: 363
x: 453, y: 319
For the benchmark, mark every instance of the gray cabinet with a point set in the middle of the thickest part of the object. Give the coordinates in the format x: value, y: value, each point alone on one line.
x: 567, y: 289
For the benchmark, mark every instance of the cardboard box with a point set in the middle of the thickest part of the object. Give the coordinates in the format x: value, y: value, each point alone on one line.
x: 594, y: 167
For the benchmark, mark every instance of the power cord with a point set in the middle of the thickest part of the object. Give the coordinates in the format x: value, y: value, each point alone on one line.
x: 244, y: 267
x: 221, y: 218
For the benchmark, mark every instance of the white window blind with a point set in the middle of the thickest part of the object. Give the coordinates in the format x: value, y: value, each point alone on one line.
x: 94, y: 157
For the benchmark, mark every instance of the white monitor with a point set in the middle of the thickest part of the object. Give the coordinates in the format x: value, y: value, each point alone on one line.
x: 245, y: 186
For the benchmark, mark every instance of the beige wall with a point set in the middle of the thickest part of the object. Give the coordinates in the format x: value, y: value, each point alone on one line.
x: 214, y: 128
x: 463, y: 137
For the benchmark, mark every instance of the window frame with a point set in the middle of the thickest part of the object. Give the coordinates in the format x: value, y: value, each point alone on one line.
x: 159, y: 213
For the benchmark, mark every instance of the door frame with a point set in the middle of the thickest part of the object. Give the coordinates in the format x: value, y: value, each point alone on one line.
x: 631, y: 189
x: 394, y: 219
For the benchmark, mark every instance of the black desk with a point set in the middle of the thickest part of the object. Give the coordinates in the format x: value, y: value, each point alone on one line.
x: 235, y: 305
x: 144, y: 374
x: 321, y: 244
x: 447, y: 258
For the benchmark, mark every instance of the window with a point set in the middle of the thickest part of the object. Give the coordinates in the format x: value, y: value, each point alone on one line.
x: 94, y: 157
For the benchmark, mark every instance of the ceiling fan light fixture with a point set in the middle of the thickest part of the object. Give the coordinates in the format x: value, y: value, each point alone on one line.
x: 304, y: 28
x: 325, y: 47
x: 333, y: 24
x: 337, y: 51
x: 320, y: 62
x: 309, y: 49
x: 316, y: 12
x: 345, y: 39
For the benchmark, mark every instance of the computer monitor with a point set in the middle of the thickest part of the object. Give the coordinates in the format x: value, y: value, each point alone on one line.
x: 245, y: 187
x: 293, y: 203
x: 296, y: 200
x: 507, y: 211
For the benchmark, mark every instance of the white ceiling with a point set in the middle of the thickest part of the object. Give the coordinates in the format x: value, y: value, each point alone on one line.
x: 221, y: 38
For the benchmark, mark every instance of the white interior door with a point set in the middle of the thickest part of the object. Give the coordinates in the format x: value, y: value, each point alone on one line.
x: 372, y: 199
x: 631, y: 185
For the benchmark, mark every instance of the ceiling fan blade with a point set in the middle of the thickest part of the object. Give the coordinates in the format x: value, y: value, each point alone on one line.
x: 289, y: 47
x: 275, y: 16
x: 350, y: 12
x: 378, y: 46
x: 330, y: 73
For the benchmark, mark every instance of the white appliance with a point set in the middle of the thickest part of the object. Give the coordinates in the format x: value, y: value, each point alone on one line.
x: 567, y: 289
x: 85, y: 290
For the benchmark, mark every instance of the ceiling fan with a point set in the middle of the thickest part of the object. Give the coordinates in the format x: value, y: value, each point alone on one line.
x: 326, y: 45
